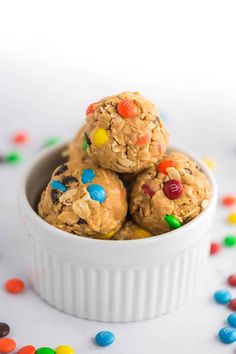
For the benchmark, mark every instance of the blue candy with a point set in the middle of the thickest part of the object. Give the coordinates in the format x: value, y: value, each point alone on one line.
x: 87, y: 176
x: 104, y: 338
x: 222, y: 296
x: 231, y: 319
x: 58, y: 185
x: 227, y: 335
x: 97, y: 192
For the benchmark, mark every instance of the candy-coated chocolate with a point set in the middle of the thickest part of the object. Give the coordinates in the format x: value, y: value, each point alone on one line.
x: 222, y: 296
x: 141, y: 233
x: 14, y: 286
x: 232, y: 218
x: 127, y: 109
x: 45, y: 350
x: 99, y: 137
x: 232, y: 280
x: 227, y: 335
x: 148, y: 189
x: 13, y: 157
x: 4, y: 329
x: 27, y: 349
x: 64, y: 349
x: 215, y: 248
x: 97, y: 192
x: 163, y: 165
x: 20, y: 138
x: 91, y: 108
x: 108, y: 235
x: 172, y: 221
x: 231, y: 319
x: 229, y: 200
x: 7, y: 345
x: 210, y: 163
x: 173, y: 189
x: 142, y: 140
x: 104, y: 338
x: 232, y: 304
x: 58, y: 186
x: 230, y: 241
x: 54, y: 140
x: 87, y: 175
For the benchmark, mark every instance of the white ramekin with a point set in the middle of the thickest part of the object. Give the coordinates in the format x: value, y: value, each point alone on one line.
x: 116, y: 281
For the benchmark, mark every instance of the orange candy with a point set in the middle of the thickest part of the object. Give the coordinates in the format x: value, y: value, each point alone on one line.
x: 27, y: 349
x: 91, y: 108
x: 163, y: 165
x: 142, y: 140
x: 14, y: 286
x: 20, y: 138
x: 127, y: 109
x: 229, y: 200
x: 7, y: 345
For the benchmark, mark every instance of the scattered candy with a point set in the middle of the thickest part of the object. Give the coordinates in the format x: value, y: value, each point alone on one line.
x: 4, y: 329
x: 7, y: 345
x: 99, y: 137
x: 215, y: 248
x: 172, y: 221
x: 210, y: 163
x: 142, y: 140
x: 27, y: 349
x: 222, y: 297
x: 127, y: 109
x: 104, y: 338
x: 20, y: 138
x: 87, y: 176
x: 232, y: 218
x: 232, y: 280
x: 148, y: 189
x: 14, y: 286
x: 54, y: 140
x: 91, y: 108
x: 228, y: 200
x: 163, y: 165
x: 227, y: 335
x: 230, y: 241
x: 232, y: 304
x: 13, y: 157
x: 45, y: 350
x: 64, y: 349
x: 231, y: 319
x: 97, y: 192
x: 173, y: 189
x: 141, y: 233
x: 58, y: 185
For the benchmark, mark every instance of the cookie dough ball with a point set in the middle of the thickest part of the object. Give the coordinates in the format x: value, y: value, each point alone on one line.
x: 83, y: 200
x: 125, y: 133
x: 169, y: 194
x: 131, y: 231
x: 78, y: 147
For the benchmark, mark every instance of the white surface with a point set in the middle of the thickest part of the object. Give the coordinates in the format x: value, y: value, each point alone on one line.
x: 55, y: 58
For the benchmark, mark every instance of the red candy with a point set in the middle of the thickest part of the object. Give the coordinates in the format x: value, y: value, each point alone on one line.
x: 127, y: 109
x: 7, y: 345
x: 148, y: 189
x: 91, y: 108
x: 173, y: 189
x: 142, y: 140
x: 215, y: 248
x: 163, y: 165
x: 232, y: 304
x: 20, y: 138
x: 228, y: 200
x: 14, y: 286
x: 232, y: 280
x: 27, y: 349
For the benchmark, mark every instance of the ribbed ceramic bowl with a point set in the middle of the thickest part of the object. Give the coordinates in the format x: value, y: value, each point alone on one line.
x: 116, y: 281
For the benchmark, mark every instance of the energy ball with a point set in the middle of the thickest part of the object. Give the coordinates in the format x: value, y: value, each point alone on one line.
x: 131, y: 231
x: 84, y: 200
x: 169, y: 194
x: 125, y: 133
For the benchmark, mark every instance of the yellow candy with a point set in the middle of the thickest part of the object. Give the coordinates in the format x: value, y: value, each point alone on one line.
x: 141, y: 233
x: 210, y: 163
x: 64, y: 349
x: 99, y: 137
x: 108, y: 235
x: 232, y: 218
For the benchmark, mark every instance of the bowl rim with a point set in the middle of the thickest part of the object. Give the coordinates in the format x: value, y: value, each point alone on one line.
x: 157, y: 238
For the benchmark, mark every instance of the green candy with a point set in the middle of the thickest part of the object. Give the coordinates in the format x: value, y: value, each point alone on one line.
x: 85, y: 145
x: 230, y: 241
x: 13, y: 157
x: 172, y: 221
x: 45, y: 350
x: 52, y: 141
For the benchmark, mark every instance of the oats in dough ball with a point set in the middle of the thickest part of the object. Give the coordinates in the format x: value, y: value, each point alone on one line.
x: 169, y: 194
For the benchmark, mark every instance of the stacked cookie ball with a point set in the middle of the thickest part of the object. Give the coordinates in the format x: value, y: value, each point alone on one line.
x: 119, y: 183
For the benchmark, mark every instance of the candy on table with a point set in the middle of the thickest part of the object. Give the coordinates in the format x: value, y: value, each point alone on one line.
x: 7, y: 345
x: 230, y: 241
x: 173, y: 189
x: 51, y: 141
x: 232, y: 304
x: 99, y: 137
x: 104, y: 338
x: 227, y: 335
x: 27, y: 349
x: 14, y: 286
x: 64, y: 349
x: 13, y: 157
x: 20, y: 138
x: 87, y: 175
x: 215, y: 248
x: 4, y: 329
x: 222, y: 296
x: 231, y: 319
x: 45, y: 350
x: 127, y: 109
x: 172, y: 221
x: 97, y: 192
x: 232, y: 218
x: 210, y: 163
x: 228, y: 200
x: 232, y: 280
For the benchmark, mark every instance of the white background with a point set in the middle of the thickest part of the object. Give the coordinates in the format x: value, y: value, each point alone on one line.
x: 58, y: 56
